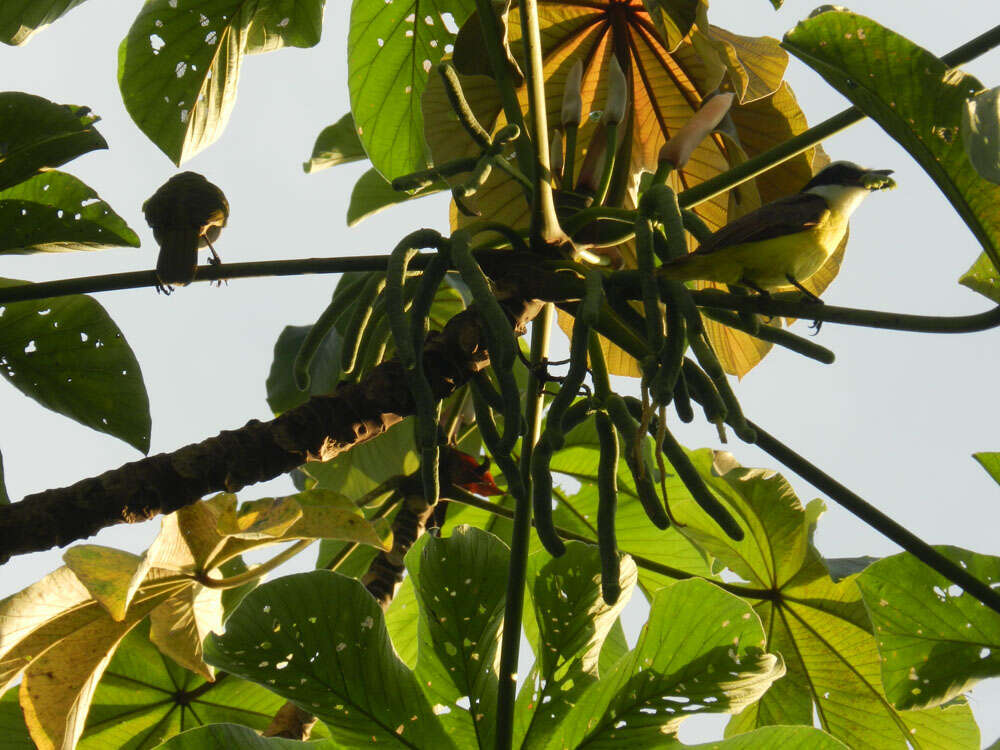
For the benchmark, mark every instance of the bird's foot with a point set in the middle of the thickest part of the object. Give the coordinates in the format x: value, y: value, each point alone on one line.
x: 162, y: 288
x: 809, y: 297
x: 216, y: 261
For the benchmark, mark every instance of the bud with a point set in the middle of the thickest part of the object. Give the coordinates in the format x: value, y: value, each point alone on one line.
x: 556, y: 152
x: 614, y: 110
x: 572, y: 103
x: 679, y: 148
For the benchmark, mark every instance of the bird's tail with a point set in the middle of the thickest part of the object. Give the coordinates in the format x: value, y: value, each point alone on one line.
x: 178, y: 255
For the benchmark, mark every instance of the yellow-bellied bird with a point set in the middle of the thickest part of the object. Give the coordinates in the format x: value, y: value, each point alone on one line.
x: 186, y: 213
x: 786, y: 241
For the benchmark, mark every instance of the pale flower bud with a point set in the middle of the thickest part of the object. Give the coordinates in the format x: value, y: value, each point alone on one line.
x: 614, y: 110
x: 556, y: 152
x: 572, y: 103
x: 678, y: 149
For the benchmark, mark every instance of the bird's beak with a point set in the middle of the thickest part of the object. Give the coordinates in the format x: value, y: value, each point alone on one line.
x: 878, y: 179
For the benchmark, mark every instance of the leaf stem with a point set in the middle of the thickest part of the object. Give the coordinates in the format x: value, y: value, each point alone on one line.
x: 514, y: 608
x: 254, y: 573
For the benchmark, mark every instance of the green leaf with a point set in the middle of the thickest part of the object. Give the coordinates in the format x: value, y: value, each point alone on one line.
x: 567, y: 626
x: 936, y: 641
x: 36, y: 134
x: 13, y: 733
x: 787, y: 738
x: 373, y: 193
x: 55, y: 212
x: 636, y: 534
x: 19, y: 21
x: 179, y: 65
x: 820, y: 628
x: 319, y: 639
x: 671, y: 675
x: 401, y: 621
x: 990, y: 462
x: 336, y: 144
x: 392, y: 47
x: 228, y: 736
x: 674, y: 18
x: 67, y: 354
x: 460, y: 583
x: 981, y: 133
x: 145, y: 698
x: 916, y: 99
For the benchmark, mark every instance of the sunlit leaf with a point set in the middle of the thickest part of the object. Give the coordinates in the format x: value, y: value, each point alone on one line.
x: 336, y: 144
x: 179, y: 65
x: 111, y: 576
x: 67, y: 354
x: 936, y: 641
x: 225, y: 736
x: 392, y: 48
x: 36, y: 134
x: 670, y: 675
x: 19, y: 21
x: 990, y: 462
x: 55, y: 212
x: 319, y: 639
x: 916, y: 98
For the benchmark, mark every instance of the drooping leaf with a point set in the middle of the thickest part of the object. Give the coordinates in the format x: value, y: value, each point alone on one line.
x: 319, y: 639
x: 67, y: 354
x: 36, y: 134
x: 112, y: 576
x: 935, y: 640
x: 336, y: 144
x: 373, y: 193
x: 19, y: 21
x: 981, y: 133
x: 392, y: 48
x: 179, y: 65
x: 671, y: 675
x: 225, y: 736
x: 55, y: 212
x: 916, y: 99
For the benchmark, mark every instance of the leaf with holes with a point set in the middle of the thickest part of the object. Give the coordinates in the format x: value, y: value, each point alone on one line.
x: 671, y: 675
x: 336, y: 144
x: 917, y: 100
x: 820, y: 627
x: 37, y: 134
x: 567, y: 625
x: 392, y: 47
x: 144, y: 698
x: 179, y: 65
x: 460, y: 585
x: 936, y: 641
x: 319, y: 639
x: 19, y: 21
x: 55, y: 212
x: 67, y: 354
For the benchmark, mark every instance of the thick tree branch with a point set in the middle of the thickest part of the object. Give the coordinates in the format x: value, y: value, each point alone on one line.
x: 319, y: 430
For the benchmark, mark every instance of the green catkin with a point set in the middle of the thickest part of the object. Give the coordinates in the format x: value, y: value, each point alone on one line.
x: 354, y: 333
x: 453, y: 88
x: 702, y: 389
x: 607, y: 489
x: 682, y: 399
x: 644, y: 487
x: 734, y: 415
x: 310, y: 345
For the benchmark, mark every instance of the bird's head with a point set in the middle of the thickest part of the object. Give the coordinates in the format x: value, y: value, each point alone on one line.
x: 847, y: 174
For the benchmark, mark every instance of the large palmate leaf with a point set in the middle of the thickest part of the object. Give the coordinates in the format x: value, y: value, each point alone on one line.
x: 392, y: 48
x: 919, y: 102
x: 179, y: 66
x: 37, y: 134
x: 227, y: 736
x: 319, y: 639
x: 55, y: 212
x: 67, y: 354
x: 820, y: 627
x: 935, y: 640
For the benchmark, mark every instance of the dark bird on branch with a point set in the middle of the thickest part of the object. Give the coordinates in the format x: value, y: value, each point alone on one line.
x: 186, y: 213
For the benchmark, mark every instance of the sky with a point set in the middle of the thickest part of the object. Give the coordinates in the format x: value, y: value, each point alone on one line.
x: 895, y: 418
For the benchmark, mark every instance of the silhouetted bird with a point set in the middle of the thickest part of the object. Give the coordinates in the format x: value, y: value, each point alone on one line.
x: 186, y: 213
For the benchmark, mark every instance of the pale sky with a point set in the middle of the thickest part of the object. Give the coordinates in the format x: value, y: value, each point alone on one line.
x: 896, y: 418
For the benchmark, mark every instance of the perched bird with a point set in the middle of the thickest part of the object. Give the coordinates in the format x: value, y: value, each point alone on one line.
x: 786, y: 241
x: 186, y: 213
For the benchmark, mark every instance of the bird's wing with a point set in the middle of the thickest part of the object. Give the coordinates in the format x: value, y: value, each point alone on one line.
x: 786, y: 215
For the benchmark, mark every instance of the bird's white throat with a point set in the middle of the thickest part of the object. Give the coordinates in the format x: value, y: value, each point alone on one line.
x: 842, y: 199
